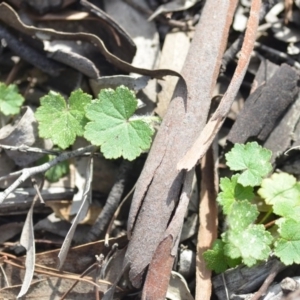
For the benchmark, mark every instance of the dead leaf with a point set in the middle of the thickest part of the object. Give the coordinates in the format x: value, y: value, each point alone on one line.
x: 82, y: 211
x: 23, y: 132
x: 9, y: 16
x: 178, y: 289
x: 172, y: 6
x: 146, y: 38
x: 208, y: 229
x: 27, y: 241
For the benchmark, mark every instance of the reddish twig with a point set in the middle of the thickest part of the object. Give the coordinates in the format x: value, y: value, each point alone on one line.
x: 274, y: 271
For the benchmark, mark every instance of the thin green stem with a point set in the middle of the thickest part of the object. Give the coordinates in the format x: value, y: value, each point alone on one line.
x: 267, y: 215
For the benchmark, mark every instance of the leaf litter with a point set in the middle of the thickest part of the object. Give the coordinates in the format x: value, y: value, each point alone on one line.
x: 51, y: 64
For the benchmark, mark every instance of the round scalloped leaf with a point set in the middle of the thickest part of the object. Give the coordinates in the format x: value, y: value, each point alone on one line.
x: 113, y: 128
x: 252, y: 159
x: 283, y: 193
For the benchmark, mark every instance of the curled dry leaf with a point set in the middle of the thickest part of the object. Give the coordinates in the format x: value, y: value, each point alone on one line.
x: 10, y: 17
x: 27, y: 241
x: 172, y: 6
x: 82, y: 211
x: 178, y: 288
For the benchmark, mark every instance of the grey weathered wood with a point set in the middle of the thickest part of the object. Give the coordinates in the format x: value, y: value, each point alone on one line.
x: 265, y: 106
x: 243, y: 280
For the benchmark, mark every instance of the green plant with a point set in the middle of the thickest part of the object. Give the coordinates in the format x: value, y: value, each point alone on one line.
x: 107, y: 121
x: 10, y: 99
x: 56, y: 172
x: 248, y: 239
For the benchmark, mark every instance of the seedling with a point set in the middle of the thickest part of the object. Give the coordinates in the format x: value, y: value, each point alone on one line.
x: 10, y: 99
x: 107, y: 121
x: 246, y: 239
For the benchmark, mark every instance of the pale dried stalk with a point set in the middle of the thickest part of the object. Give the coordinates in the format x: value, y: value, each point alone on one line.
x: 208, y: 215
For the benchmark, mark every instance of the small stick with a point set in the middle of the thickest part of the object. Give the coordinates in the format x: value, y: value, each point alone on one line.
x: 26, y: 149
x: 4, y: 276
x: 108, y: 231
x: 27, y: 172
x: 279, y: 54
x: 235, y: 47
x: 274, y: 271
x: 14, y: 71
x: 111, y: 204
x: 56, y: 273
x: 87, y: 271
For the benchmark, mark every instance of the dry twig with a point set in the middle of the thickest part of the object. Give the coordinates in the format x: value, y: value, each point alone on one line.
x: 27, y: 172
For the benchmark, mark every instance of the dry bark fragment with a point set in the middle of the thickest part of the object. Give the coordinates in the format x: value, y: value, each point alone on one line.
x: 159, y: 185
x: 282, y: 136
x: 207, y: 135
x: 155, y: 287
x: 161, y: 264
x: 265, y: 106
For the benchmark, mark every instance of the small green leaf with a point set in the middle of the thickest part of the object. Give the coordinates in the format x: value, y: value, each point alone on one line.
x: 242, y: 215
x: 56, y: 172
x: 250, y: 244
x: 61, y: 121
x: 233, y: 191
x: 283, y: 192
x: 112, y: 126
x: 252, y: 159
x: 287, y: 247
x: 10, y: 99
x: 216, y: 260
